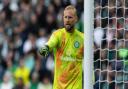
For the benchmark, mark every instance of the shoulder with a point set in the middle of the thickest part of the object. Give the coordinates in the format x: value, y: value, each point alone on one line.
x: 58, y: 32
x: 80, y: 34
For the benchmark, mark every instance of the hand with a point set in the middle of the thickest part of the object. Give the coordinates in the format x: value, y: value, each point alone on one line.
x: 44, y: 51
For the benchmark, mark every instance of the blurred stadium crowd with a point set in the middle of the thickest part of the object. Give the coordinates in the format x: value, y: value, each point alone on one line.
x: 111, y: 44
x: 25, y: 25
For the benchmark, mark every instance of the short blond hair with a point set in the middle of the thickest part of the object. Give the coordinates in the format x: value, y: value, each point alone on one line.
x: 71, y: 7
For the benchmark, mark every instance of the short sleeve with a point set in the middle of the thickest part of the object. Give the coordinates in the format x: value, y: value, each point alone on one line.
x: 53, y: 41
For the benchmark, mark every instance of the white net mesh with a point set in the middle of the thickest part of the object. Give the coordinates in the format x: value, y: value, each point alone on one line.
x: 111, y: 44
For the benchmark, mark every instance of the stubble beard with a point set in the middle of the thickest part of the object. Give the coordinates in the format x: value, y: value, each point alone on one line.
x: 69, y: 28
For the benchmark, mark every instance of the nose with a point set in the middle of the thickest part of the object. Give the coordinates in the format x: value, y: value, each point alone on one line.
x: 68, y: 19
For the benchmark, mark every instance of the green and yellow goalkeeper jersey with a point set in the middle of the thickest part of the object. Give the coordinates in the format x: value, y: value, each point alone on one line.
x: 68, y: 52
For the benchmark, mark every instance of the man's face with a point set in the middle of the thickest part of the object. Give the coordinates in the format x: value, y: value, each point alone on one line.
x: 69, y: 19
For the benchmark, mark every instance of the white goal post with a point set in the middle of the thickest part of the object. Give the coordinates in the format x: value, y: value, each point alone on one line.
x: 88, y: 43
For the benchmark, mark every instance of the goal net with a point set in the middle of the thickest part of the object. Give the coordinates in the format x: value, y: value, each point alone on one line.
x: 110, y: 44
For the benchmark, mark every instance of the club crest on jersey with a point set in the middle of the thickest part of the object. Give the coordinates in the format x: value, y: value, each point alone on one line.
x: 76, y: 44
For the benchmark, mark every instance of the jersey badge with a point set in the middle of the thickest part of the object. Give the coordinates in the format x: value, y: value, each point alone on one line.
x: 76, y: 44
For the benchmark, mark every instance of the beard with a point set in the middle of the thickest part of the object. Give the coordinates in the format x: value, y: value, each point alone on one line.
x: 69, y: 27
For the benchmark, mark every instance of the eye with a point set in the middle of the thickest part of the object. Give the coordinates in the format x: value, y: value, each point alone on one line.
x: 68, y: 17
x: 65, y: 16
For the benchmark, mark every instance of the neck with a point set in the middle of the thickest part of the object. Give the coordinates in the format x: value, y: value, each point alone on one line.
x: 70, y: 30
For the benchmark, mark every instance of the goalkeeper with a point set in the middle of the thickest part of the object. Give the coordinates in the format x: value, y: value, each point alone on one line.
x: 67, y: 44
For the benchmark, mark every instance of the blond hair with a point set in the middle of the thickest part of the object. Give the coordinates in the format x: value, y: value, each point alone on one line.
x: 71, y: 7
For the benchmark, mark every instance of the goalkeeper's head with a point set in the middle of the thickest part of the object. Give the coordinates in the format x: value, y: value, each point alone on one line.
x: 70, y: 18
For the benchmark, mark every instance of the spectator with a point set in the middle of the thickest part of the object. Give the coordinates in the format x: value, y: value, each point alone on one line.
x: 22, y: 72
x: 45, y: 83
x: 34, y: 80
x: 19, y: 84
x: 7, y: 83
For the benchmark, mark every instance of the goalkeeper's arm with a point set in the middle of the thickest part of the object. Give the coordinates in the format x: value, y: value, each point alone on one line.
x: 44, y: 51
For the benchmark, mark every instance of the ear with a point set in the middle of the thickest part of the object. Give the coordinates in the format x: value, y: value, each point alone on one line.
x: 62, y: 17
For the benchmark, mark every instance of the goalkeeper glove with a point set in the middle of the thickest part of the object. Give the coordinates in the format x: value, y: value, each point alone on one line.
x: 44, y: 51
